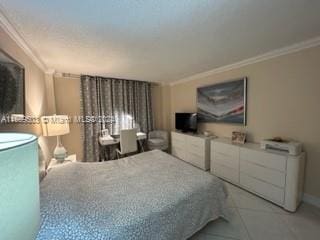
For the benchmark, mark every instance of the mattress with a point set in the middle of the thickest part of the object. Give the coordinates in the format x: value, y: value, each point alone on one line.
x: 151, y: 195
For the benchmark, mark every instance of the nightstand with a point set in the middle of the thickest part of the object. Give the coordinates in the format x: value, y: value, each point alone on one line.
x: 55, y: 163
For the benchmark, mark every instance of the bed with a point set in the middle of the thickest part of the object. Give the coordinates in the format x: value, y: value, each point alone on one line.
x: 151, y: 195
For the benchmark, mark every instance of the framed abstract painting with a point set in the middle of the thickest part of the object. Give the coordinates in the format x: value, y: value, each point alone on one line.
x: 223, y: 102
x: 12, y: 90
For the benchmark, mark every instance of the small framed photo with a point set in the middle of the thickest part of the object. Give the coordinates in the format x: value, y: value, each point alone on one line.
x: 238, y: 137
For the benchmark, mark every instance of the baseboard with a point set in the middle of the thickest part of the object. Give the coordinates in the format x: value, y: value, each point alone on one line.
x: 311, y: 199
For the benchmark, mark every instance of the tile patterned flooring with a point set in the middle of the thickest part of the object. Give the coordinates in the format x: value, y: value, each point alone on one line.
x: 253, y: 218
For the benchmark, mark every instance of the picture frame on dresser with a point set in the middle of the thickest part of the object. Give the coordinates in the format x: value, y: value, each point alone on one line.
x: 238, y: 137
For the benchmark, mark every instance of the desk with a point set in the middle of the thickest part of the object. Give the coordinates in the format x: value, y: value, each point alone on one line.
x: 115, y: 139
x: 112, y: 141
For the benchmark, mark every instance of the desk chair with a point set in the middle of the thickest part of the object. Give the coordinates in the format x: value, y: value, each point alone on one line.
x: 128, y: 142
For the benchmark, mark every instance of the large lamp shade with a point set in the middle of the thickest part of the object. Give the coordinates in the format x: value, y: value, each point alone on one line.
x: 19, y: 187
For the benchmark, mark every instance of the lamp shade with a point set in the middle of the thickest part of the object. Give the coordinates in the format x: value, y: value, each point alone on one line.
x: 19, y: 186
x: 55, y: 125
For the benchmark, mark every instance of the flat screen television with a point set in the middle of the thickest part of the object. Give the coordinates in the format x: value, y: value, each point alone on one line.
x: 186, y: 122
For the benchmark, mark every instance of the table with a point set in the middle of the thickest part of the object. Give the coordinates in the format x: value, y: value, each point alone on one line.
x: 111, y: 141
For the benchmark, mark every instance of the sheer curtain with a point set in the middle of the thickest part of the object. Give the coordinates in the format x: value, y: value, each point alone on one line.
x: 114, y: 104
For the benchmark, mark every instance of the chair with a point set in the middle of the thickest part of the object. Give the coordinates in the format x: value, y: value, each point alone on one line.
x: 158, y: 139
x: 128, y: 141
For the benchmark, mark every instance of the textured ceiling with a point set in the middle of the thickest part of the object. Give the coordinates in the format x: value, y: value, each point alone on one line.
x: 158, y: 40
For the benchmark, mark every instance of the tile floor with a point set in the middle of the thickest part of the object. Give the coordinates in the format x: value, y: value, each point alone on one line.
x: 253, y: 218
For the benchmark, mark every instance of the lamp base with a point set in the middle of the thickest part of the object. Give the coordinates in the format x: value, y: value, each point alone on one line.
x: 60, y: 153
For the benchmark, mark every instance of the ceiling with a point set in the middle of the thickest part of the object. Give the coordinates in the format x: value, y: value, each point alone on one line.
x: 157, y: 40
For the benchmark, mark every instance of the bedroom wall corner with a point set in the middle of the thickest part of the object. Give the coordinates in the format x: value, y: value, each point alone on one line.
x: 67, y: 95
x: 35, y: 97
x: 69, y: 104
x: 282, y: 100
x: 161, y: 105
x: 156, y: 94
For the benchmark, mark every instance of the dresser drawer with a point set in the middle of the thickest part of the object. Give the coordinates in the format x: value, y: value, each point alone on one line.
x: 225, y: 172
x: 196, y: 160
x: 226, y: 149
x: 195, y: 141
x: 178, y: 152
x: 195, y: 150
x: 268, y: 191
x: 265, y: 174
x: 266, y: 159
x: 225, y: 160
x: 178, y: 143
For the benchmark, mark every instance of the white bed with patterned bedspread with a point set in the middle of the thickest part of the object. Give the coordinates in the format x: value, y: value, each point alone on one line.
x: 149, y: 196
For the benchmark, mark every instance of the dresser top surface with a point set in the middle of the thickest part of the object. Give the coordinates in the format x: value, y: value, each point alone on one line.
x: 194, y: 135
x: 252, y: 146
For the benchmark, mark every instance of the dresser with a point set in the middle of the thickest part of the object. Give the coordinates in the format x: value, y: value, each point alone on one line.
x: 191, y: 148
x: 273, y: 175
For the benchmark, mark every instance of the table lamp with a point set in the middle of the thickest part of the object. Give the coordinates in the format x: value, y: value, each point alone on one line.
x: 56, y: 125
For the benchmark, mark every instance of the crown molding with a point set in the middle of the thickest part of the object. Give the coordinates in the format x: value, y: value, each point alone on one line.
x: 164, y: 84
x: 66, y: 75
x: 266, y: 56
x: 8, y: 27
x: 50, y: 71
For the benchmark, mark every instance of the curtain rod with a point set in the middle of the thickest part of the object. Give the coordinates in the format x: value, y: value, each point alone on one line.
x: 67, y: 75
x: 77, y: 76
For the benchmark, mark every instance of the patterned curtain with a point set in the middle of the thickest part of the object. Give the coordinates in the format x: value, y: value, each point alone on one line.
x: 114, y: 104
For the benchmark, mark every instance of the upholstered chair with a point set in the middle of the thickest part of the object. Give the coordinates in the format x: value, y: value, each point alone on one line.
x: 158, y: 139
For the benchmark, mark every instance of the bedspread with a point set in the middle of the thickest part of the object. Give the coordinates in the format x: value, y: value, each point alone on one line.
x: 151, y: 196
